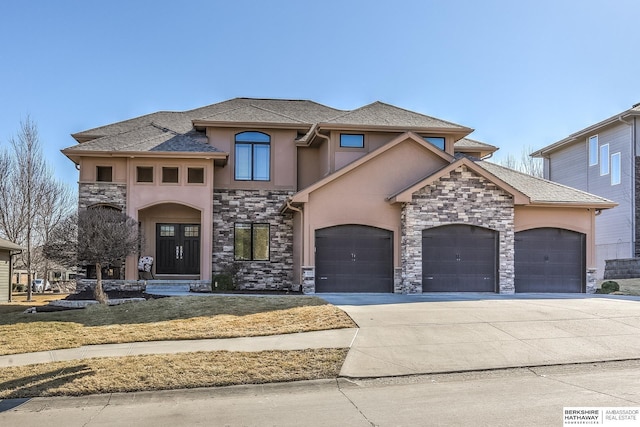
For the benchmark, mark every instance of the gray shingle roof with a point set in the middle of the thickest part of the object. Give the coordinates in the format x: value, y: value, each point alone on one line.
x: 379, y: 113
x: 148, y: 138
x: 541, y: 190
x: 173, y: 131
x: 472, y: 143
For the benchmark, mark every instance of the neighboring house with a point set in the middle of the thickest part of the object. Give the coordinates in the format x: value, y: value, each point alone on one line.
x: 7, y: 251
x: 602, y: 159
x: 287, y: 193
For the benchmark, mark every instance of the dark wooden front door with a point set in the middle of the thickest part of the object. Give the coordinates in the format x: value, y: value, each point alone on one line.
x: 178, y: 248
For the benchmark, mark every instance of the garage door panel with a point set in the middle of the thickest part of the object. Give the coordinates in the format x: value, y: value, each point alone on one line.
x: 354, y: 258
x: 459, y: 258
x: 550, y: 260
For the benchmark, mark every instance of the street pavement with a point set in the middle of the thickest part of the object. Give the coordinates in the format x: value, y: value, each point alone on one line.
x: 510, y: 397
x: 472, y: 348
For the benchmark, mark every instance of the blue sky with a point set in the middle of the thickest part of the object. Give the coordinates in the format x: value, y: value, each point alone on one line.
x: 522, y: 73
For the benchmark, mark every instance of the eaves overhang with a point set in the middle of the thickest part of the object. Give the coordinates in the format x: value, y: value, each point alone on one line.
x: 543, y: 152
x: 75, y: 155
x: 585, y: 205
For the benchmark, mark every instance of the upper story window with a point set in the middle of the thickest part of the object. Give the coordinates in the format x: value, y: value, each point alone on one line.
x: 170, y: 175
x: 604, y: 159
x: 104, y: 173
x: 253, y: 156
x: 351, y: 140
x: 438, y: 141
x: 144, y: 174
x: 593, y: 150
x: 616, y: 173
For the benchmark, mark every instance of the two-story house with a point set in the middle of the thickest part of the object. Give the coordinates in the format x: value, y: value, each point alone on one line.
x: 290, y: 193
x: 602, y: 159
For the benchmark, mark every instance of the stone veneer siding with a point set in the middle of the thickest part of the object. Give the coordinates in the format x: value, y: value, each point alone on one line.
x: 460, y: 198
x: 255, y: 206
x: 102, y: 192
x: 111, y: 193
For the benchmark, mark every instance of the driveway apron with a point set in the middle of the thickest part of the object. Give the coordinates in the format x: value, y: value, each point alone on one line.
x: 408, y: 335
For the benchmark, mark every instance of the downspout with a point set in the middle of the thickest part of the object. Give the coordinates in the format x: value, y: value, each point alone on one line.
x: 289, y: 206
x: 316, y: 133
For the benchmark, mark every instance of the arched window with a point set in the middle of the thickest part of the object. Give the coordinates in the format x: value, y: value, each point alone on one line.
x: 252, y: 156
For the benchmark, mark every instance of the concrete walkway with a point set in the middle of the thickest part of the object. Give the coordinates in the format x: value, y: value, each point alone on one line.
x: 338, y: 338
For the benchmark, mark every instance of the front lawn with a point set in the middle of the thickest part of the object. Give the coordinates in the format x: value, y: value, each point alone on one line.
x: 191, y: 317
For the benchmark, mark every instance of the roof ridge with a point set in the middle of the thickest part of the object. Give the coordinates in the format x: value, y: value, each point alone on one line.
x: 276, y: 113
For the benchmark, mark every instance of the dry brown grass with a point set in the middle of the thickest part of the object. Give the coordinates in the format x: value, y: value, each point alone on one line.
x: 168, y: 319
x: 165, y: 372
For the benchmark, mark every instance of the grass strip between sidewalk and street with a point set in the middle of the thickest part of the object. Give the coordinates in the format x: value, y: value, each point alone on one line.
x: 168, y: 372
x: 174, y: 318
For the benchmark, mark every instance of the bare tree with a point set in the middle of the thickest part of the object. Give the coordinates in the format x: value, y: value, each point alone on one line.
x: 525, y: 164
x: 26, y: 173
x: 27, y: 187
x: 99, y: 236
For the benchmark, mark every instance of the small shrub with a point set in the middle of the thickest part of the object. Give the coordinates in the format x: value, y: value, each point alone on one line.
x: 222, y: 282
x: 608, y: 287
x: 18, y: 287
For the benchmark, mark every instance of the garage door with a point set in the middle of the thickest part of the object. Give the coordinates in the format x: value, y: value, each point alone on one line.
x: 459, y: 258
x: 354, y: 258
x: 550, y: 260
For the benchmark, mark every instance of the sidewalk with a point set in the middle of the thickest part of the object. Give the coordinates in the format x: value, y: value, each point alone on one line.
x: 336, y: 338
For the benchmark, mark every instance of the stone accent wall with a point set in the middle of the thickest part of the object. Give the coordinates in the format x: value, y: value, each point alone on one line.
x: 255, y: 206
x: 102, y: 192
x: 628, y: 268
x: 460, y: 198
x: 592, y: 280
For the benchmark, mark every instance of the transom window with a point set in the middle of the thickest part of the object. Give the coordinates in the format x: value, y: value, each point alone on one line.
x: 352, y: 140
x: 170, y: 175
x: 438, y: 141
x: 251, y: 242
x: 144, y: 174
x: 593, y: 150
x: 104, y: 173
x: 252, y: 156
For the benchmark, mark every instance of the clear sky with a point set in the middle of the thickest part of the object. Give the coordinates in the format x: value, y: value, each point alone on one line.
x: 522, y: 73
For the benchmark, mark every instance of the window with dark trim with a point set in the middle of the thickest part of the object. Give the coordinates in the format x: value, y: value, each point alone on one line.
x: 251, y: 242
x: 170, y: 175
x: 104, y: 174
x: 195, y: 175
x: 352, y: 140
x: 437, y: 141
x: 144, y: 174
x: 252, y: 156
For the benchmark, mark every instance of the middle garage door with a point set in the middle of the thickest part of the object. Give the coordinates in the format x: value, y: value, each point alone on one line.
x: 459, y: 258
x: 354, y: 258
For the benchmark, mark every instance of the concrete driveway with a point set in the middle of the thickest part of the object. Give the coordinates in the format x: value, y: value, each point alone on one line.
x: 436, y: 333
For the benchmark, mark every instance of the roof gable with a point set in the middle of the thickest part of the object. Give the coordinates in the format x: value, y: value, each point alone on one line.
x: 303, y: 195
x: 406, y: 194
